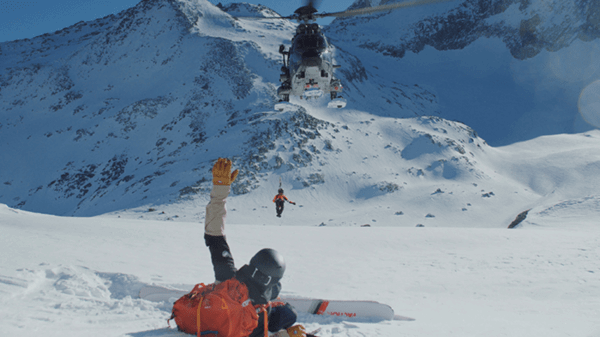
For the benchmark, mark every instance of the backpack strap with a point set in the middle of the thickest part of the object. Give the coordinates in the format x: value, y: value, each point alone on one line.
x: 198, y: 324
x: 266, y: 320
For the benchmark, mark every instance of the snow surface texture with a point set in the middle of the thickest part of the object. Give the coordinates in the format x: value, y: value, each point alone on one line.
x: 79, y: 276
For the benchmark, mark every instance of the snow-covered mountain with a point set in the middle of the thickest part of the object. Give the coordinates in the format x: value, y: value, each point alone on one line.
x: 114, y: 104
x: 130, y: 111
x: 526, y: 27
x: 512, y: 70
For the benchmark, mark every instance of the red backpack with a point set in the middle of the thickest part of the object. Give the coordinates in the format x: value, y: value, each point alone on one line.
x: 222, y: 310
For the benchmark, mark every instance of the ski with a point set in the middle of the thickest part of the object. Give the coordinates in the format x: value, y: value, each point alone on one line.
x: 369, y: 310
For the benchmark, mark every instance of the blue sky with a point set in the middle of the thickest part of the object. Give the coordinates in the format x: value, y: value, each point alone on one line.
x: 20, y: 19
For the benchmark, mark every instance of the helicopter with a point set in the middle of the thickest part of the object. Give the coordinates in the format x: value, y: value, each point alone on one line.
x: 308, y: 69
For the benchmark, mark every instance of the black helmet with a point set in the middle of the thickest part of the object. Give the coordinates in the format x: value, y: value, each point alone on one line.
x: 267, y: 266
x: 280, y: 190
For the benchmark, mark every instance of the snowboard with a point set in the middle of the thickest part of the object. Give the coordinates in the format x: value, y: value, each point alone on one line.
x: 369, y: 310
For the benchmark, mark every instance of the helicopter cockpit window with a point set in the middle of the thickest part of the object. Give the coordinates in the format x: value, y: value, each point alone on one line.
x: 315, y: 28
x: 310, y: 42
x: 301, y: 29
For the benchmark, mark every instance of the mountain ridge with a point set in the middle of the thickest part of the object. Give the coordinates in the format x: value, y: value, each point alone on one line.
x: 523, y: 25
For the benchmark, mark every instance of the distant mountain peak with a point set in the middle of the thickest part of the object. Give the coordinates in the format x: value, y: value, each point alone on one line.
x: 526, y: 26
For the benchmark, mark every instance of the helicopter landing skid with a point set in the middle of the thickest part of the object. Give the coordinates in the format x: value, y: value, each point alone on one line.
x: 337, y: 103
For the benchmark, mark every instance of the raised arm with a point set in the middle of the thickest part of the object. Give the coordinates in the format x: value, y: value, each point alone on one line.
x: 214, y: 225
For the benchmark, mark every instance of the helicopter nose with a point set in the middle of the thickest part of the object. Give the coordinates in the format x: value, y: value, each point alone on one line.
x: 310, y: 58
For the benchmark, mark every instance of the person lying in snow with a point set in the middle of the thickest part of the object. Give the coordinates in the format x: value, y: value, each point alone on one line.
x: 279, y: 201
x: 260, y: 279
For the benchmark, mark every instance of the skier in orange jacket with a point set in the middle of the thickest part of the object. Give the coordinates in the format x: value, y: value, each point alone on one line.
x: 279, y: 200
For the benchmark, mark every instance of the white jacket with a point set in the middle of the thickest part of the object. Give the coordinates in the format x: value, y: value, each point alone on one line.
x: 216, y: 211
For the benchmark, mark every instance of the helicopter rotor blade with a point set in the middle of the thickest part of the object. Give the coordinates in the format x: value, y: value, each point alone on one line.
x: 382, y: 8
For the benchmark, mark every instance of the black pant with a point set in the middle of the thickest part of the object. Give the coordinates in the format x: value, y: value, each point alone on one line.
x: 279, y: 206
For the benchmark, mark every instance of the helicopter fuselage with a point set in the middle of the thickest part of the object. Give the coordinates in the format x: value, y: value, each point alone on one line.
x: 309, y: 71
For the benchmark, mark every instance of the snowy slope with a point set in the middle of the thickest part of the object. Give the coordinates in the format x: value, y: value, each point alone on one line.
x: 413, y: 171
x: 79, y: 276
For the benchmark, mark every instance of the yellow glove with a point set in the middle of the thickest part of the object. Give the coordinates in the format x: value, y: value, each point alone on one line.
x: 293, y: 331
x: 222, y: 174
